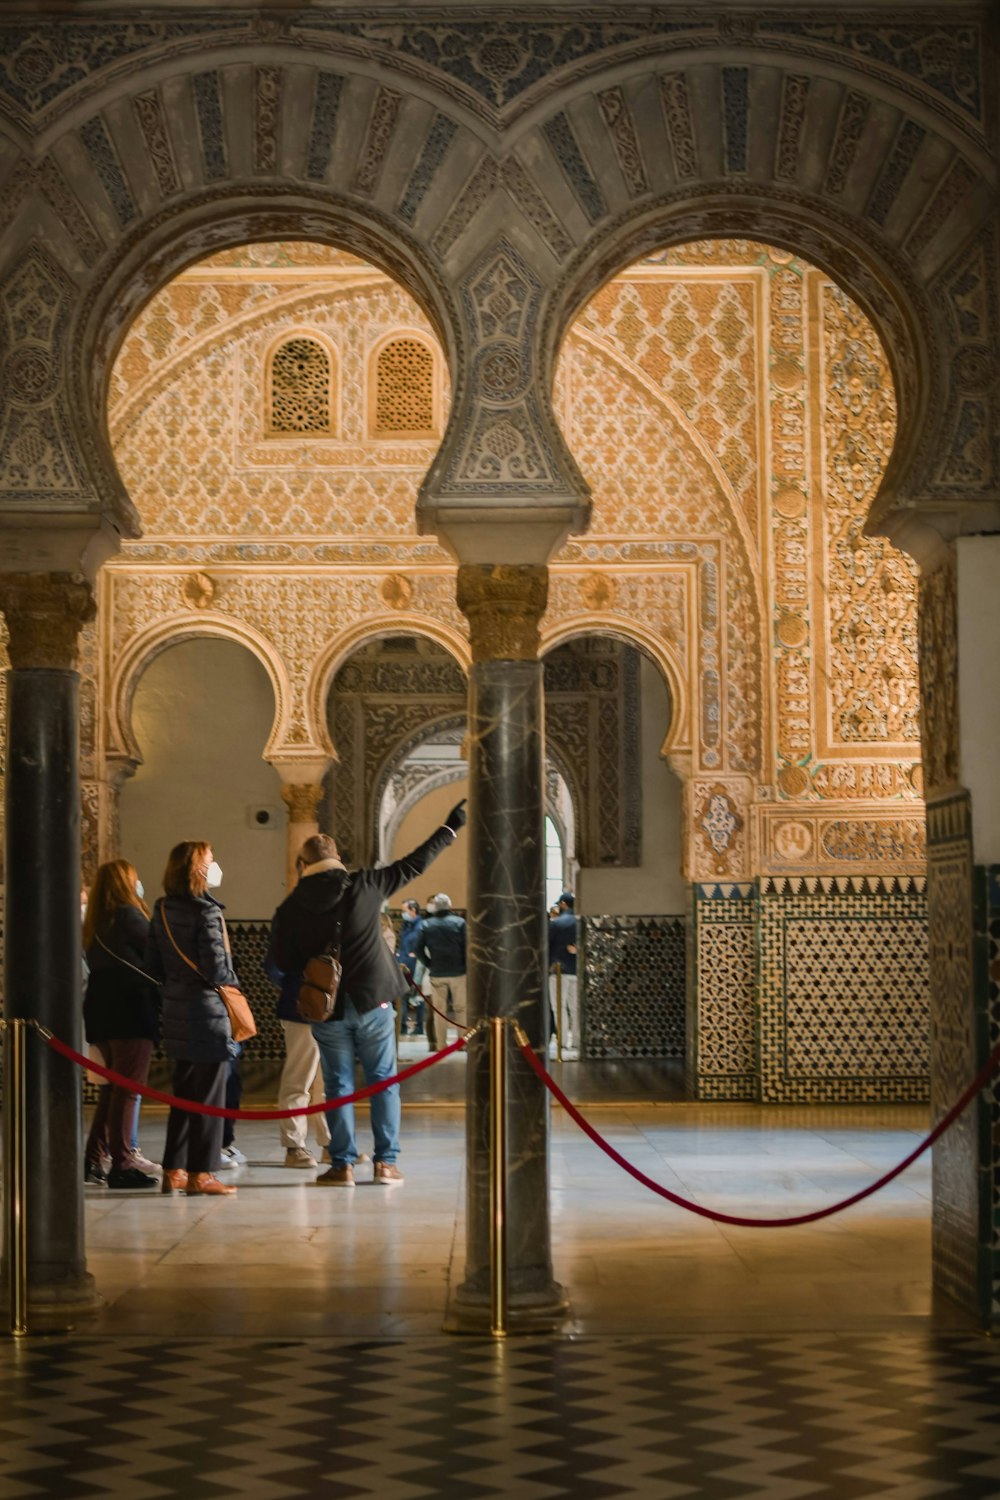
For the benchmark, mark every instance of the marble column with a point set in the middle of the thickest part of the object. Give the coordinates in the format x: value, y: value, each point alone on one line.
x: 44, y: 614
x: 507, y: 937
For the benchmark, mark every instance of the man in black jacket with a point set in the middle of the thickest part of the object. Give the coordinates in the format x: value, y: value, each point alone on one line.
x: 330, y: 899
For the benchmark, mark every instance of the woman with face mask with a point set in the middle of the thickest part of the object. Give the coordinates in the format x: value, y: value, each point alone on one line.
x: 121, y: 1020
x: 189, y: 950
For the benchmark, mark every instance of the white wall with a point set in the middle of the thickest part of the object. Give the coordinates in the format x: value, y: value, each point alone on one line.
x: 654, y: 888
x: 202, y: 714
x: 449, y: 872
x: 979, y: 688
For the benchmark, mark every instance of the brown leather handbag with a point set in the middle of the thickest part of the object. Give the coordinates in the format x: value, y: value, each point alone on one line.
x: 241, y: 1021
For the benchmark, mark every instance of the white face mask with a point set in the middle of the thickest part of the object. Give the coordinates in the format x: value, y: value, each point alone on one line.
x: 213, y: 875
x: 140, y: 889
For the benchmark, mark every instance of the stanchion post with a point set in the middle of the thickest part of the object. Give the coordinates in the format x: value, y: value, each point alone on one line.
x: 498, y: 1177
x: 15, y: 1174
x: 559, y: 1013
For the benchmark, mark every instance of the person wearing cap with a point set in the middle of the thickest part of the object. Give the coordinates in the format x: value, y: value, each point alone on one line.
x: 331, y: 905
x: 443, y: 951
x: 562, y: 955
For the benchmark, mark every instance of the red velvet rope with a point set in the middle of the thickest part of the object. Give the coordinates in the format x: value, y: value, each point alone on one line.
x: 246, y: 1114
x: 981, y: 1078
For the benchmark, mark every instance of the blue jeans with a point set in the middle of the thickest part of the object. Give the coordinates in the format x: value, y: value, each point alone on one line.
x: 371, y: 1038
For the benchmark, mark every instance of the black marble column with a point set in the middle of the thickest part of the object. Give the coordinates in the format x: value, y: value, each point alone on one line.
x: 43, y: 975
x: 507, y: 970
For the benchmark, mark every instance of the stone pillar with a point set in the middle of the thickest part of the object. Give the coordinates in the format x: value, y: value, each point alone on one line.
x: 959, y: 688
x: 301, y: 775
x: 302, y: 798
x: 44, y: 614
x: 507, y: 937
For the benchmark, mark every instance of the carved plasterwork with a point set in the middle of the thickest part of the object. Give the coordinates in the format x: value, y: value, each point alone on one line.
x: 503, y: 605
x: 45, y: 613
x: 718, y: 833
x: 729, y: 408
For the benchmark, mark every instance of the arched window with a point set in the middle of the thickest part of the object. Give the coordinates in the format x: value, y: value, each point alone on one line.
x: 404, y: 390
x: 300, y: 387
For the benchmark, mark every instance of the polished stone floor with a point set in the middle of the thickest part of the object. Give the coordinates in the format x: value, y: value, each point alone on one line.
x: 287, y: 1342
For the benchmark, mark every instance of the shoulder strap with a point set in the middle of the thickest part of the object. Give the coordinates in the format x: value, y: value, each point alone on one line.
x: 166, y: 928
x: 125, y: 961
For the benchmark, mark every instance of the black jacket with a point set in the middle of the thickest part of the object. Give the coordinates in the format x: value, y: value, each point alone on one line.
x: 119, y: 1004
x: 305, y: 921
x: 195, y: 1022
x: 442, y: 945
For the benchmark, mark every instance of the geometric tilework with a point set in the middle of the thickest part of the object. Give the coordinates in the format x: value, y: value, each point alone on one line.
x: 843, y: 996
x: 632, y: 996
x: 712, y: 1417
x: 722, y: 1054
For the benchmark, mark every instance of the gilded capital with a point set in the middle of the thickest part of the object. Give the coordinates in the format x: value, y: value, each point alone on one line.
x: 45, y: 613
x: 302, y: 798
x: 504, y: 605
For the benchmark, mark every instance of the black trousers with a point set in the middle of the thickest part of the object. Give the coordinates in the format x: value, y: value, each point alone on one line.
x: 195, y: 1141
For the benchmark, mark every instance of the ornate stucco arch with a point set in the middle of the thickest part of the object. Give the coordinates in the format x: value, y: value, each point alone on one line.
x: 173, y: 239
x: 678, y: 739
x: 333, y: 655
x: 121, y: 744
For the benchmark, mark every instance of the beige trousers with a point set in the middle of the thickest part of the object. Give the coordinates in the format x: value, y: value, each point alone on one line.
x: 301, y: 1083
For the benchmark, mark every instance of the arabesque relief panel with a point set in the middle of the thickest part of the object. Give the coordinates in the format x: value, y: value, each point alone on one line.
x: 732, y: 412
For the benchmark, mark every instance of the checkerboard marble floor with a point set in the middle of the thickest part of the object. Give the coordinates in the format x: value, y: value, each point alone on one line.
x: 287, y: 1342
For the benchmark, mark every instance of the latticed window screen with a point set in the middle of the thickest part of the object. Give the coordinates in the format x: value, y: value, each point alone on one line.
x: 300, y: 387
x: 404, y: 388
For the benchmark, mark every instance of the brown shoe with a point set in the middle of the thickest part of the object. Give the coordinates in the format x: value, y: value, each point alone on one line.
x: 387, y: 1174
x: 336, y: 1177
x: 175, y: 1180
x: 203, y: 1184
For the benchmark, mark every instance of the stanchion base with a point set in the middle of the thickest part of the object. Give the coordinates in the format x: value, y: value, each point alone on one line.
x: 544, y: 1310
x: 57, y: 1306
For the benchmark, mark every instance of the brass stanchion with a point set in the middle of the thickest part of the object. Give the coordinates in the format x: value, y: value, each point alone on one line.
x: 559, y: 1013
x: 498, y: 1177
x: 15, y: 1174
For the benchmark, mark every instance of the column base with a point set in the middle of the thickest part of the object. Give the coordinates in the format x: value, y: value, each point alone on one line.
x: 540, y: 1310
x: 57, y: 1306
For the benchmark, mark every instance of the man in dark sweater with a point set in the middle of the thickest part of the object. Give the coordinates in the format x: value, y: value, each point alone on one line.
x: 443, y: 951
x: 331, y: 903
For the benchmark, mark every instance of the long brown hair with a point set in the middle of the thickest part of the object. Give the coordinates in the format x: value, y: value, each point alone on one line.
x: 184, y: 875
x: 113, y: 887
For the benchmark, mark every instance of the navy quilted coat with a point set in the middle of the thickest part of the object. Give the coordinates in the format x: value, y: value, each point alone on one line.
x: 195, y: 1023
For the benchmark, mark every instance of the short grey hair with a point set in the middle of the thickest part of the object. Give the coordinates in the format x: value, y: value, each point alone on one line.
x: 442, y: 901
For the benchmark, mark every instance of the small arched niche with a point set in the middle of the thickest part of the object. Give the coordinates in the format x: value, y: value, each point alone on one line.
x: 201, y: 715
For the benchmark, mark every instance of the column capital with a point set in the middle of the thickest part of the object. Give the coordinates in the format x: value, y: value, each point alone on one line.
x: 302, y: 798
x: 45, y: 613
x: 504, y: 605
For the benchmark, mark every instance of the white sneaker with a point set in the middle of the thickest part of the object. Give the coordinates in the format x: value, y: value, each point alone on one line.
x: 234, y: 1154
x: 298, y: 1156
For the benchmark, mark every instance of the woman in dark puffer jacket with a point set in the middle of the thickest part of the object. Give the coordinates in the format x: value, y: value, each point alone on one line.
x: 189, y: 952
x: 120, y: 1017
